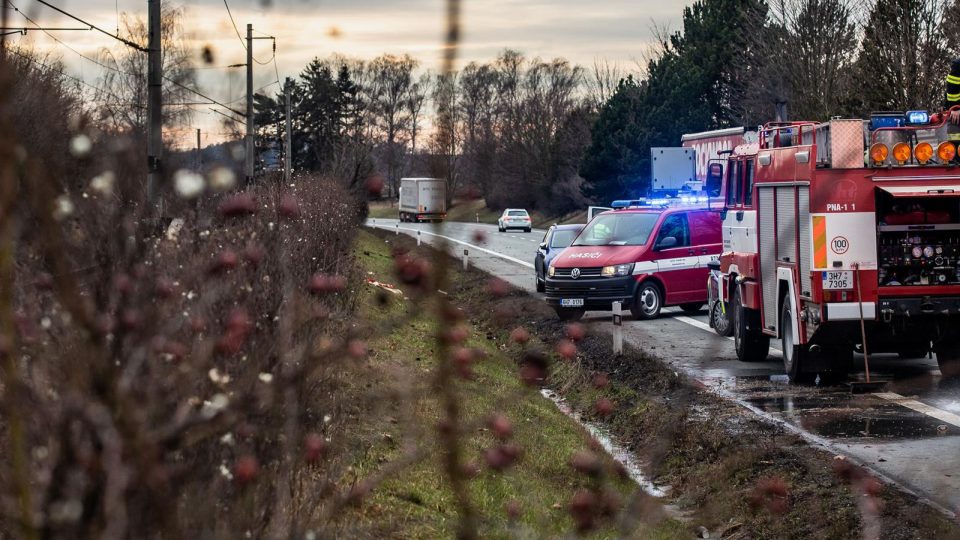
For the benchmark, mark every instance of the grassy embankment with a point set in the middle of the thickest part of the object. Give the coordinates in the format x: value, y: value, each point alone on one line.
x: 477, y: 211
x: 417, y: 503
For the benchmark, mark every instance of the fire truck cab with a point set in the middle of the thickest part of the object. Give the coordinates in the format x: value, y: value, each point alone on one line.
x: 843, y: 236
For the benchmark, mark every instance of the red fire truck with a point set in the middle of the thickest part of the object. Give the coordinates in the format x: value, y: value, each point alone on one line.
x: 829, y: 224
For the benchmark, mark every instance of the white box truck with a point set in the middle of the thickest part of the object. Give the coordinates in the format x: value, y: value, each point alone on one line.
x: 423, y: 199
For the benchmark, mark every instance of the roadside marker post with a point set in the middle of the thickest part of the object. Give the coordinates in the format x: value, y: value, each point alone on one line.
x: 617, y: 329
x: 418, y: 238
x: 478, y: 217
x: 466, y: 258
x: 398, y: 229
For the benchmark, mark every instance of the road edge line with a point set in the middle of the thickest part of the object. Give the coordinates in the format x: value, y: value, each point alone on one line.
x: 461, y: 242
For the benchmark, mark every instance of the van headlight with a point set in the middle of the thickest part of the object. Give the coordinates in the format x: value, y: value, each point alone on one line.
x: 550, y: 271
x: 617, y: 270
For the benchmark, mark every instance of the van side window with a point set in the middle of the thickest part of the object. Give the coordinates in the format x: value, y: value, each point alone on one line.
x: 748, y: 173
x: 733, y: 182
x: 675, y: 225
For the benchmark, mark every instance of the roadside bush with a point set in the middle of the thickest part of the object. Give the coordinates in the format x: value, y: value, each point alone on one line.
x: 158, y: 365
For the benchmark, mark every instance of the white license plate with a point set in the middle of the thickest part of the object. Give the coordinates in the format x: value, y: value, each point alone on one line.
x: 571, y: 302
x: 836, y: 280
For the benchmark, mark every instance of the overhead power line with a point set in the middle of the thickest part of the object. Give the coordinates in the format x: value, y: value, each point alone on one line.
x: 71, y: 77
x: 228, y: 116
x: 51, y: 36
x: 204, y: 96
x: 94, y: 27
x: 234, y: 23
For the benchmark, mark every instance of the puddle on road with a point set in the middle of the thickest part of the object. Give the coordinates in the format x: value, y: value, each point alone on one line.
x: 835, y: 413
x: 622, y: 455
x: 841, y: 417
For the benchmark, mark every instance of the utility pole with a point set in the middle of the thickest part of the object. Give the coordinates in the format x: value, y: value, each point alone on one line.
x: 198, y: 150
x: 249, y: 141
x: 154, y: 104
x: 288, y: 141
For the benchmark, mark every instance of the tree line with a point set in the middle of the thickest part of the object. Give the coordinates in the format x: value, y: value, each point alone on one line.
x: 552, y: 135
x: 746, y: 62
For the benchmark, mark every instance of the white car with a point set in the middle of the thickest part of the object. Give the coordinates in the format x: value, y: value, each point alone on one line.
x: 515, y: 218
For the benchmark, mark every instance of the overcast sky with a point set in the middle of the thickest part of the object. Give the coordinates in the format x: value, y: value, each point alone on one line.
x: 579, y: 30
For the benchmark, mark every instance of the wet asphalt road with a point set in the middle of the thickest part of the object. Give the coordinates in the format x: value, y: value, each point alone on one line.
x: 908, y: 431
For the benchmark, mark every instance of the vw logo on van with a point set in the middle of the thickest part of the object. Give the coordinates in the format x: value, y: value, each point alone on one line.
x: 575, y: 273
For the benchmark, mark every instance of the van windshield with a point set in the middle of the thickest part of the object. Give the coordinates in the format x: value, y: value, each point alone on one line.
x: 618, y: 230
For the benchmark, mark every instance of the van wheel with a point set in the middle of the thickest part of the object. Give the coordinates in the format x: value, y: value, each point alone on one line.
x: 751, y: 344
x: 794, y: 353
x: 570, y: 314
x: 527, y: 229
x: 647, y: 302
x: 720, y: 315
x: 692, y: 307
x: 948, y: 358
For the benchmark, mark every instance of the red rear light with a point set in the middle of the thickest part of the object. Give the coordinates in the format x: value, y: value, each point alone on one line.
x: 828, y: 296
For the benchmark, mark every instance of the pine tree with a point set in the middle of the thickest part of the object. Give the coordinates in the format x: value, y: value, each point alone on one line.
x: 694, y: 85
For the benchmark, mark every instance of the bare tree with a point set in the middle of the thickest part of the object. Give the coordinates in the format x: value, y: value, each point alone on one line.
x: 123, y: 86
x: 391, y: 82
x: 906, y: 53
x: 604, y: 78
x: 477, y: 85
x: 801, y: 58
x: 447, y: 135
x: 419, y: 91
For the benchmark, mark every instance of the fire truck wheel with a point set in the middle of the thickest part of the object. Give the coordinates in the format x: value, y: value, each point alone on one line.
x: 915, y: 351
x: 720, y: 315
x: 751, y: 344
x: 648, y: 301
x: 693, y: 307
x: 949, y: 361
x: 570, y: 314
x: 839, y: 359
x: 794, y: 354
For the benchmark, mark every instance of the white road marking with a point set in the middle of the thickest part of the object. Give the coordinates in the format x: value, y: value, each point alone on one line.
x: 696, y: 323
x: 915, y: 405
x: 461, y: 242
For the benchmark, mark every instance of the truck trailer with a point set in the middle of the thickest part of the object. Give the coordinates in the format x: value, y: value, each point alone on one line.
x: 844, y: 236
x: 423, y: 199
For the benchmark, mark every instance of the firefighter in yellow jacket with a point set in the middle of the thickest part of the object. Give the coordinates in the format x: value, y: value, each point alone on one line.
x: 953, y: 92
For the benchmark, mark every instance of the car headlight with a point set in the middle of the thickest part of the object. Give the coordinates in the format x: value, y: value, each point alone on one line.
x: 617, y: 270
x: 550, y: 271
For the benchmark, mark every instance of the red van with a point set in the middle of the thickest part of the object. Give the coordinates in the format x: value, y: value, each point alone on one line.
x: 646, y: 257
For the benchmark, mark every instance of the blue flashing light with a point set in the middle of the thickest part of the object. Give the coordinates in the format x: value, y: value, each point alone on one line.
x: 659, y: 202
x: 918, y: 118
x: 887, y: 120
